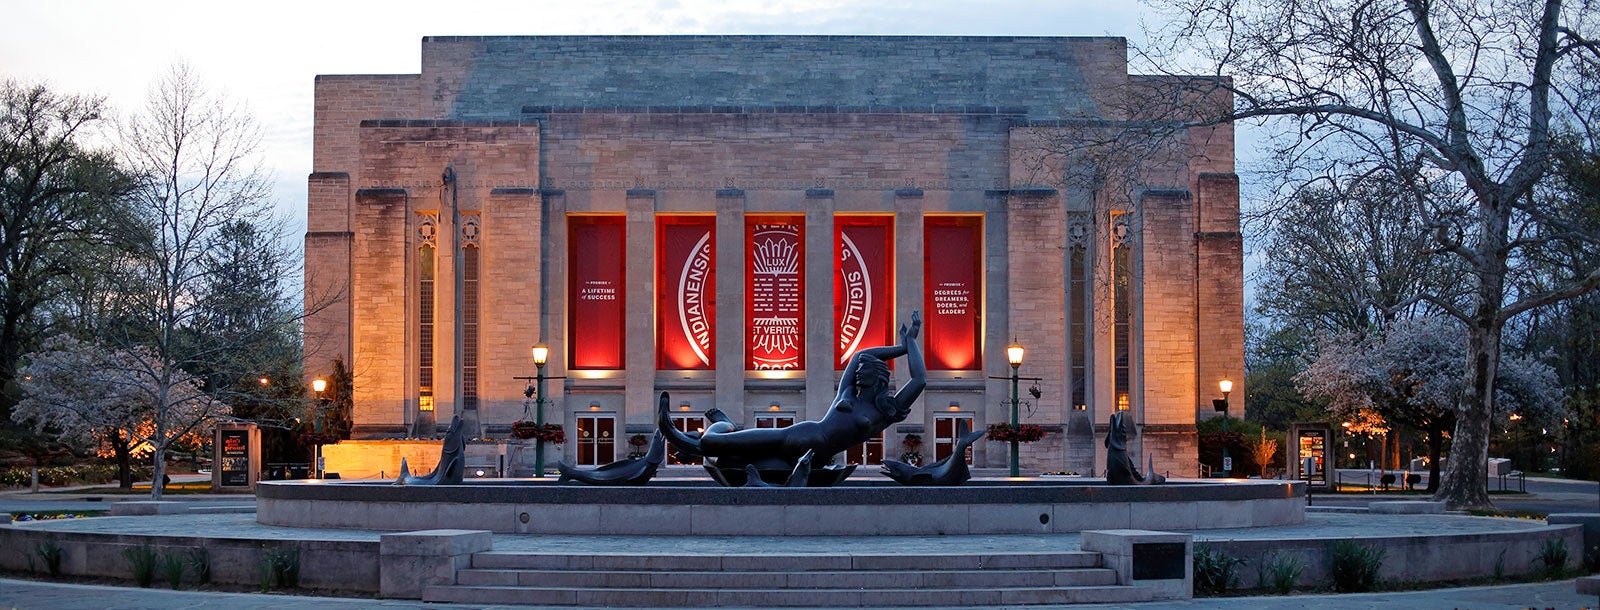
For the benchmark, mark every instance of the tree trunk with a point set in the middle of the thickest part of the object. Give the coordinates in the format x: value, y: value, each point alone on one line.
x: 1435, y: 447
x: 124, y: 456
x: 160, y: 472
x: 1466, y: 483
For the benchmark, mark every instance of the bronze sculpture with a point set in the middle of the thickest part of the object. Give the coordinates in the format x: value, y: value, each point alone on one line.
x: 863, y: 407
x: 1120, y: 469
x: 452, y: 460
x: 633, y: 471
x: 950, y: 471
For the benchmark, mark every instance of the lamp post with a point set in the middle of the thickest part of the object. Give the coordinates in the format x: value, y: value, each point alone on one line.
x: 1014, y: 356
x: 1226, y: 385
x: 318, y: 385
x: 541, y: 354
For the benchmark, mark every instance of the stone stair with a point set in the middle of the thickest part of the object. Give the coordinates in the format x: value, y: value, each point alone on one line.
x: 841, y: 580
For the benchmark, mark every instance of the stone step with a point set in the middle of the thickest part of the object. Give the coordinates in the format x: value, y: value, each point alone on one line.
x: 784, y: 563
x: 812, y: 579
x: 837, y: 598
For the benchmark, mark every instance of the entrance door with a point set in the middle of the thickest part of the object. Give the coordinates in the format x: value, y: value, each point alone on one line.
x: 597, y: 439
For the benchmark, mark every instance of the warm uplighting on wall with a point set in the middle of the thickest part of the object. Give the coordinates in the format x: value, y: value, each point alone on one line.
x: 1122, y: 402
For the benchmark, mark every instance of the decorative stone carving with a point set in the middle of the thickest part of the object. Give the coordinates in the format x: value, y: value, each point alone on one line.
x: 471, y: 230
x: 428, y: 229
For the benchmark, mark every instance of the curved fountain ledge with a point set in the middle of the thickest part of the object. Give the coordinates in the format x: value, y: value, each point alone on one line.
x: 852, y: 509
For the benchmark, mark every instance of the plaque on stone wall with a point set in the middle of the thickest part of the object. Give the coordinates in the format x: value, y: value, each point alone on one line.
x: 774, y: 292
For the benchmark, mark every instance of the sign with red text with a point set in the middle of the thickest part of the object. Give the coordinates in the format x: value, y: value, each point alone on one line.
x: 863, y: 247
x: 774, y: 291
x: 953, y: 291
x: 686, y: 292
x: 595, y: 295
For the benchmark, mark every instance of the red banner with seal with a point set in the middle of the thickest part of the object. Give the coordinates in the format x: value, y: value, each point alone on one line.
x: 862, y: 299
x: 775, y: 293
x: 686, y: 292
x: 953, y: 291
x: 595, y: 295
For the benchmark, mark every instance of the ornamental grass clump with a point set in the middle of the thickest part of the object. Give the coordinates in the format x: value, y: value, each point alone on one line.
x: 1354, y: 566
x: 142, y: 560
x: 1215, y: 571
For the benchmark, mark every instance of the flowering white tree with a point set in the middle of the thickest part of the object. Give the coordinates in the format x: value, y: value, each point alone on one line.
x: 113, y: 399
x: 1411, y: 375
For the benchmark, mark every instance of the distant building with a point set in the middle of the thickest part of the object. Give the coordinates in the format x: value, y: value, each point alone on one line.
x: 728, y: 217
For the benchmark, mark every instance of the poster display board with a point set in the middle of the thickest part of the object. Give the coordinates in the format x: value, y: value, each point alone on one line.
x: 953, y: 291
x: 236, y: 457
x: 595, y: 294
x: 1308, y: 454
x: 774, y: 292
x: 862, y: 298
x: 686, y: 289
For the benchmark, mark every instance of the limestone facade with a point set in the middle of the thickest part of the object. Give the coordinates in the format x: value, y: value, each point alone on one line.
x: 487, y: 161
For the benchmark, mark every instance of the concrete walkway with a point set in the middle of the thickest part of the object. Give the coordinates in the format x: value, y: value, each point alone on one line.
x: 30, y: 594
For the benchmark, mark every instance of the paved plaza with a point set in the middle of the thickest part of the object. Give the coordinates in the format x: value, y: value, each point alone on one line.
x: 228, y: 517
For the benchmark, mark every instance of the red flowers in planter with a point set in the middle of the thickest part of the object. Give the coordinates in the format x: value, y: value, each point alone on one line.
x: 1025, y: 433
x: 548, y: 433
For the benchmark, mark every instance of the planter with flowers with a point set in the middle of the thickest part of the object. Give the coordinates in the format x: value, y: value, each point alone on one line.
x: 1025, y: 433
x: 912, y: 455
x: 548, y: 433
x: 636, y: 444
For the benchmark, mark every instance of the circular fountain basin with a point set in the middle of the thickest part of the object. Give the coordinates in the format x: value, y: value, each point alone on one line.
x: 864, y: 508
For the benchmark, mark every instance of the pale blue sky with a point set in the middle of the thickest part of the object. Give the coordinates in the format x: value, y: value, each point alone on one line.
x: 267, y: 54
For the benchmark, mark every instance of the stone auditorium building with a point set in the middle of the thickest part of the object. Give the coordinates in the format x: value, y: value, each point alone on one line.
x: 728, y: 217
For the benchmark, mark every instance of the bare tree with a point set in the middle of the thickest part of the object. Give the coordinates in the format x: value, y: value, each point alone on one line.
x: 1457, y: 101
x: 196, y: 155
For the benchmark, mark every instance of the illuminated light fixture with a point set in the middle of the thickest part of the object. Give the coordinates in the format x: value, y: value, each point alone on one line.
x: 1226, y: 385
x: 318, y: 385
x: 683, y: 407
x: 541, y: 354
x: 264, y: 381
x: 478, y: 473
x: 594, y: 407
x: 1014, y: 353
x: 955, y: 406
x: 1080, y: 407
x: 424, y: 403
x: 774, y: 407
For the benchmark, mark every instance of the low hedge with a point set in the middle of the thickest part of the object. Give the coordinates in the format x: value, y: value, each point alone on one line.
x: 81, y: 474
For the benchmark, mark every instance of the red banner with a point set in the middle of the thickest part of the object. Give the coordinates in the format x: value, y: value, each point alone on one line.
x: 685, y: 292
x: 595, y: 302
x: 953, y: 291
x: 775, y: 291
x: 862, y: 302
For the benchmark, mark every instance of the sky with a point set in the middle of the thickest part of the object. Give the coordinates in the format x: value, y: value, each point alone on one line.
x: 267, y: 54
